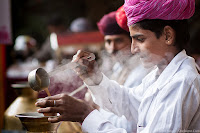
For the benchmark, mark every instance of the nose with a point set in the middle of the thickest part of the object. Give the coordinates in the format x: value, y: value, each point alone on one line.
x: 134, y: 48
x: 112, y: 47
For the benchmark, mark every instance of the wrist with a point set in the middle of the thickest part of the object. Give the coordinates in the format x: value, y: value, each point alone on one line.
x: 86, y: 112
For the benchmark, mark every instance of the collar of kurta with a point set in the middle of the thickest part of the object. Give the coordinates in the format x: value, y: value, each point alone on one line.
x: 171, y: 69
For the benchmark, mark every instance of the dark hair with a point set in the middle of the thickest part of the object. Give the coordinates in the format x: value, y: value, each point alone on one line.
x: 180, y: 27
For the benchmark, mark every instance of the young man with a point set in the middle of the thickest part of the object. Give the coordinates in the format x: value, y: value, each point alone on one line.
x: 168, y: 99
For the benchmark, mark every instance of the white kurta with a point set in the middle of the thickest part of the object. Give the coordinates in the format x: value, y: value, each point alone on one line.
x: 165, y: 103
x: 130, y: 74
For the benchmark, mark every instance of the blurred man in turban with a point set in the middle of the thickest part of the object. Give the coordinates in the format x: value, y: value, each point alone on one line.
x: 168, y: 99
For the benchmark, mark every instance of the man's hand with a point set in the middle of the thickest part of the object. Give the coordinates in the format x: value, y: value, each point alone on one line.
x: 88, y: 69
x: 69, y: 108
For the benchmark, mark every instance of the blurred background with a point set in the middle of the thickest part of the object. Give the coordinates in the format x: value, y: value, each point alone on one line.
x: 32, y: 23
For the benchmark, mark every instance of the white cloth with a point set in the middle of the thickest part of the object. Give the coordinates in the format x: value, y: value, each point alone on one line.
x: 130, y: 74
x: 119, y: 122
x: 165, y: 103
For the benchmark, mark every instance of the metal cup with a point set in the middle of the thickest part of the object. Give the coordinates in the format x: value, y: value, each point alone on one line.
x: 38, y: 79
x: 35, y: 122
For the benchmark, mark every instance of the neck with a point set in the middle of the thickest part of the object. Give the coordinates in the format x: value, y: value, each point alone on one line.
x: 166, y: 60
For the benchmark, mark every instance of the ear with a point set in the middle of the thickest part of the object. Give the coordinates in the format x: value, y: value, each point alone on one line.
x: 170, y: 34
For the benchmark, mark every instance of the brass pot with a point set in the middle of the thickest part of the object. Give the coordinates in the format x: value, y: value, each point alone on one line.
x: 36, y: 122
x: 25, y: 102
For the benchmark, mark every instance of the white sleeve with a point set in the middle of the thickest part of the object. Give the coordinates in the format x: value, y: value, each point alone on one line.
x: 109, y: 95
x: 96, y: 123
x: 120, y: 122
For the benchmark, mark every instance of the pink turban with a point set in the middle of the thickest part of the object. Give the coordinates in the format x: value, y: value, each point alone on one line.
x: 137, y: 10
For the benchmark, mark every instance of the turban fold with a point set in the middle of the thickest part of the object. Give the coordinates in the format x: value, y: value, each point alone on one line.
x: 108, y: 25
x: 137, y: 10
x: 121, y: 18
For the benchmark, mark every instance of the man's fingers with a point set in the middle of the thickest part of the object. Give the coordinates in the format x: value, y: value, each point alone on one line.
x: 77, y: 56
x: 55, y: 97
x: 50, y: 101
x: 58, y: 103
x: 84, y: 62
x: 54, y: 119
x: 81, y: 54
x: 50, y: 110
x: 45, y: 103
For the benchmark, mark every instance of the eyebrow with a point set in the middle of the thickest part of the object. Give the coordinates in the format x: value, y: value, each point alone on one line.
x: 136, y: 35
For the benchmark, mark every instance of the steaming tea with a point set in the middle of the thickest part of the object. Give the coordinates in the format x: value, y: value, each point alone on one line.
x: 48, y: 114
x: 47, y: 91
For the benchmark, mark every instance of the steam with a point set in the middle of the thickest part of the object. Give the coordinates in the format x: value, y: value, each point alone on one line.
x: 65, y: 81
x: 106, y: 63
x: 121, y: 56
x: 149, y: 60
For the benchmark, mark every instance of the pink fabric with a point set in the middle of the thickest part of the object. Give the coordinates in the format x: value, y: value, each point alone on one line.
x: 137, y: 10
